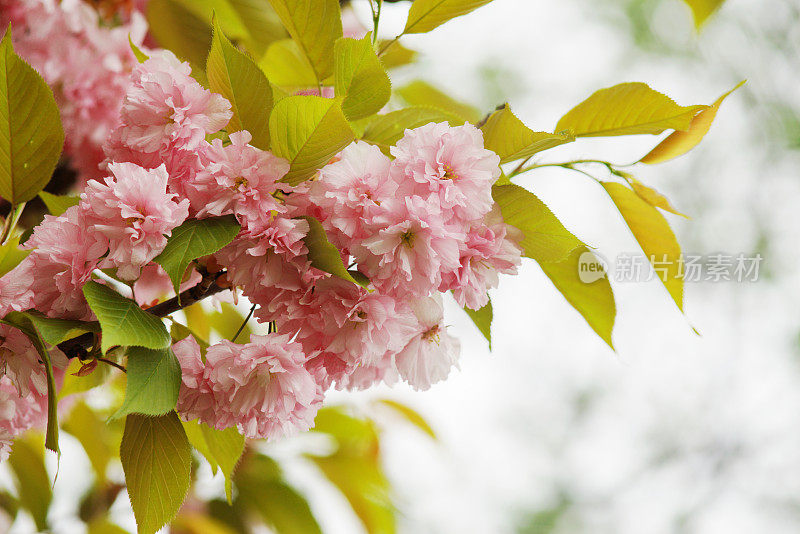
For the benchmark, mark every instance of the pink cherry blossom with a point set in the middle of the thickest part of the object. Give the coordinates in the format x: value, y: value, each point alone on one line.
x: 195, y: 399
x: 432, y: 353
x: 134, y: 213
x: 449, y: 163
x: 18, y: 413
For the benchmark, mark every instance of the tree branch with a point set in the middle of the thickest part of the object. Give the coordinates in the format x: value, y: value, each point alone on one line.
x: 77, y: 347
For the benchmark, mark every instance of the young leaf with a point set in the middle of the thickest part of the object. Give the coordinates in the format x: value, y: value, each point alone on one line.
x: 387, y: 129
x: 545, y: 238
x: 314, y: 25
x: 33, y: 482
x: 507, y: 136
x: 626, y: 109
x: 176, y: 28
x: 411, y: 415
x: 286, y: 66
x: 58, y: 204
x: 140, y: 56
x: 360, y: 78
x: 194, y: 239
x: 235, y: 76
x: 11, y: 255
x: 679, y: 143
x: 123, y: 322
x: 262, y: 24
x: 653, y: 197
x: 308, y: 131
x: 94, y: 435
x: 156, y: 459
x: 702, y: 9
x: 154, y: 379
x: 322, y: 254
x: 425, y: 15
x: 31, y: 137
x: 593, y: 300
x: 654, y: 235
x: 420, y: 93
x: 483, y: 320
x: 226, y: 446
x: 55, y: 331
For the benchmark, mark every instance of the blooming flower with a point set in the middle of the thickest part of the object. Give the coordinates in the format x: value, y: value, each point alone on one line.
x: 432, y: 353
x: 449, y: 163
x: 134, y: 213
x: 18, y: 413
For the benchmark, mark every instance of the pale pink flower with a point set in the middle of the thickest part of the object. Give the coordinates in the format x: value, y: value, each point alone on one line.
x: 262, y: 387
x: 490, y: 249
x: 349, y: 191
x: 19, y: 361
x: 432, y: 353
x: 195, y: 399
x: 18, y: 413
x: 449, y: 163
x: 238, y: 178
x: 165, y: 108
x: 65, y: 251
x: 414, y: 246
x: 135, y: 214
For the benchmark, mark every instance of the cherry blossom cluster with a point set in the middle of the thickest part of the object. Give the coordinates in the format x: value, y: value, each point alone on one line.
x: 85, y: 60
x: 410, y: 225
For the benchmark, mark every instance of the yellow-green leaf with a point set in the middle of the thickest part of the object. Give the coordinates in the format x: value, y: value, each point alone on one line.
x: 308, y: 131
x: 654, y: 235
x: 33, y: 482
x: 545, y: 238
x: 679, y: 143
x: 54, y: 331
x: 31, y: 137
x: 387, y: 129
x: 262, y: 23
x: 123, y: 322
x: 425, y: 15
x: 140, y: 56
x: 508, y: 137
x: 314, y: 25
x: 410, y: 415
x: 286, y: 66
x: 702, y: 9
x: 11, y: 255
x: 154, y: 379
x: 176, y: 28
x: 483, y: 320
x: 235, y: 76
x: 58, y: 204
x: 421, y: 93
x: 626, y: 109
x: 591, y: 297
x: 323, y: 255
x: 156, y: 459
x: 653, y: 197
x: 93, y: 433
x: 360, y: 78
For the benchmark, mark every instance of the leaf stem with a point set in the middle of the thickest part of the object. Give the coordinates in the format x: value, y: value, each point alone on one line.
x: 113, y: 363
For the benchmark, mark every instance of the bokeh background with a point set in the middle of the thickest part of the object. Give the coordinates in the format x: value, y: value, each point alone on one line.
x: 693, y: 424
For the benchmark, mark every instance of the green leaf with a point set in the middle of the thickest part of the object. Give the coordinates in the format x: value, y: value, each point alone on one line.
x: 262, y: 23
x: 420, y: 93
x: 425, y: 15
x: 33, y: 483
x: 176, y: 28
x: 154, y: 380
x: 31, y: 137
x: 483, y: 320
x: 703, y: 9
x: 156, y: 459
x: 626, y: 109
x: 654, y: 235
x: 410, y: 415
x: 387, y: 129
x: 140, y: 56
x: 123, y: 322
x: 58, y: 204
x: 11, y: 255
x: 507, y: 136
x: 222, y: 448
x: 360, y: 78
x: 263, y: 489
x: 679, y: 143
x: 323, y: 255
x: 545, y: 238
x: 286, y: 66
x: 194, y: 239
x: 308, y: 131
x: 314, y: 25
x: 55, y: 331
x: 94, y: 435
x: 24, y: 324
x: 235, y: 76
x: 594, y: 300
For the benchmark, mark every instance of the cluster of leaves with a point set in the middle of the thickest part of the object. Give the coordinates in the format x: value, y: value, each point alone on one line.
x: 259, y: 54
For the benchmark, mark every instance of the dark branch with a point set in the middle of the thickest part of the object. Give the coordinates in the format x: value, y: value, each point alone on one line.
x: 78, y: 347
